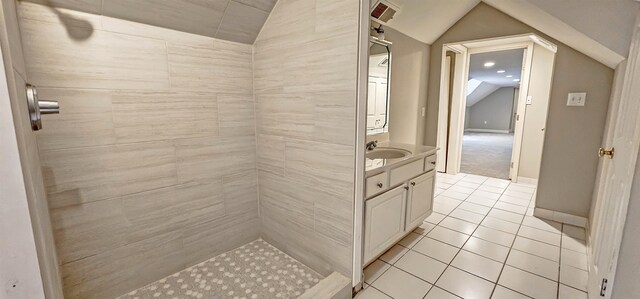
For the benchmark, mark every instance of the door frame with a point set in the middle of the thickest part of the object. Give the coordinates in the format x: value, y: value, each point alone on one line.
x: 451, y: 120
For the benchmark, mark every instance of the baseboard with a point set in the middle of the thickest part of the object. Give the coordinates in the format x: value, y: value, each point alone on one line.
x: 487, y: 131
x: 527, y: 181
x: 561, y: 217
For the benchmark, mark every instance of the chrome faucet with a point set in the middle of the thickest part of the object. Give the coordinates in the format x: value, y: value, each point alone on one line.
x: 372, y: 145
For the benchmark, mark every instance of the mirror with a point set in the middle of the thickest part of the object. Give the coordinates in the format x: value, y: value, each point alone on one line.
x: 379, y: 86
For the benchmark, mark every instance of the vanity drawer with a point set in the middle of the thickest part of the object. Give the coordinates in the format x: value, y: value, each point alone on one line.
x: 405, y: 172
x: 429, y: 163
x: 376, y: 184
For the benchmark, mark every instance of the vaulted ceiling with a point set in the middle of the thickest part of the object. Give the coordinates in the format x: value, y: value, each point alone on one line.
x: 233, y: 20
x: 599, y: 28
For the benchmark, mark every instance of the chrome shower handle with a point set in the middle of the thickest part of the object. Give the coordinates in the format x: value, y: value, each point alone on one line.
x: 38, y: 107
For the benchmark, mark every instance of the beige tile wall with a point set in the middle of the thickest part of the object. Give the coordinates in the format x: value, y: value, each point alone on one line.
x: 305, y: 86
x: 151, y: 165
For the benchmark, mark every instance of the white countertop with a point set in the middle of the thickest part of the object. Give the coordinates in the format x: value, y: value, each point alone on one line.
x: 375, y: 166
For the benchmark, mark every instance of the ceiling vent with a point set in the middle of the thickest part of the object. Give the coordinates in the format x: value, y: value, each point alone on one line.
x: 383, y: 11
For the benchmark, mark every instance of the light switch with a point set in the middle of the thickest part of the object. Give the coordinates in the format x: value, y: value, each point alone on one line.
x: 576, y: 99
x: 529, y: 100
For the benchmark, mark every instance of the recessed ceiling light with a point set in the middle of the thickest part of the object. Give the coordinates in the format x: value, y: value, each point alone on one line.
x: 489, y: 64
x: 516, y: 80
x: 509, y: 76
x: 501, y: 71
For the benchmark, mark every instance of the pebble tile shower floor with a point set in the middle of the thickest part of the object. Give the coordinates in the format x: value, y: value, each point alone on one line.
x: 255, y: 270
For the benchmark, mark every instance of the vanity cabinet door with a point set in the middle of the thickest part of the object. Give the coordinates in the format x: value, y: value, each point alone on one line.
x: 420, y: 199
x: 384, y: 221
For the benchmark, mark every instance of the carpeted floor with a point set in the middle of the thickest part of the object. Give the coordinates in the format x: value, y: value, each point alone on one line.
x: 487, y: 154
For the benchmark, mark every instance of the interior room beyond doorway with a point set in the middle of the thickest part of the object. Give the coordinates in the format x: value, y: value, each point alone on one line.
x: 491, y: 107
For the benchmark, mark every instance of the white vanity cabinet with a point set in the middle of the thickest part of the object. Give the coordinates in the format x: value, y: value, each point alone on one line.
x: 384, y: 221
x: 398, y: 201
x: 420, y: 198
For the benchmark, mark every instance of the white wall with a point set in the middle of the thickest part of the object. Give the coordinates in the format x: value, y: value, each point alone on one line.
x: 495, y: 109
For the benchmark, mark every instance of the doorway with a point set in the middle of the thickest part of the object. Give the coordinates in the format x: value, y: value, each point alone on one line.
x: 526, y: 118
x: 490, y: 112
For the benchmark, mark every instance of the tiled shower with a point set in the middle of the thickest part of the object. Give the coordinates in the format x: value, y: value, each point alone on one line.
x: 176, y: 145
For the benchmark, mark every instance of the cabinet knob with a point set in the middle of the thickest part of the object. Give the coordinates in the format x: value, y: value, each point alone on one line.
x: 433, y: 162
x: 413, y: 183
x: 379, y: 185
x: 406, y: 187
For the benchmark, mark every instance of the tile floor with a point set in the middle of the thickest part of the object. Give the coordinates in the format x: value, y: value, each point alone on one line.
x: 482, y: 241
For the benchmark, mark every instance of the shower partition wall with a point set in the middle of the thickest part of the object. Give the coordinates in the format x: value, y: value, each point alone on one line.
x: 154, y: 163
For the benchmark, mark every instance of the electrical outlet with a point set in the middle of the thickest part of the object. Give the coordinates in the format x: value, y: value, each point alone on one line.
x: 576, y: 99
x: 529, y: 100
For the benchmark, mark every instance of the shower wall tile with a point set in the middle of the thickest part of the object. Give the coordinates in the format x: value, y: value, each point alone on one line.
x: 206, y: 158
x: 151, y: 165
x: 81, y: 57
x: 237, y: 115
x: 264, y: 5
x: 241, y: 23
x: 85, y: 120
x: 210, y: 69
x: 90, y: 6
x: 270, y: 151
x: 83, y: 175
x: 148, y: 116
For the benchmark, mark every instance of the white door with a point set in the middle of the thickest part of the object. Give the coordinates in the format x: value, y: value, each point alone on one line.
x: 616, y: 176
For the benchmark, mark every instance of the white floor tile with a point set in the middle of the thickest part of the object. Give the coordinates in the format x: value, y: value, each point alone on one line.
x: 574, y: 259
x: 534, y: 264
x: 574, y: 232
x: 539, y: 235
x: 518, y: 194
x: 399, y: 284
x: 487, y: 249
x: 422, y: 266
x: 436, y: 249
x: 374, y: 270
x: 481, y: 200
x: 394, y: 254
x: 485, y: 194
x: 410, y: 240
x: 458, y: 225
x: 371, y: 293
x: 501, y: 225
x: 448, y: 236
x: 495, y: 236
x: 574, y: 244
x: 461, y: 189
x: 529, y: 284
x: 497, y: 182
x: 503, y: 293
x: 438, y: 293
x: 521, y: 188
x: 514, y: 200
x: 574, y: 277
x: 537, y: 248
x: 466, y: 215
x: 455, y: 194
x: 566, y: 292
x: 443, y: 207
x: 543, y: 224
x: 477, y: 265
x: 491, y: 189
x: 505, y: 215
x: 473, y: 207
x: 435, y: 218
x: 424, y: 228
x: 468, y: 185
x: 510, y: 207
x: 474, y: 179
x: 464, y: 284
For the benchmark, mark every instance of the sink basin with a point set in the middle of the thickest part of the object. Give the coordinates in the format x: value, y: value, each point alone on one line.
x: 387, y: 153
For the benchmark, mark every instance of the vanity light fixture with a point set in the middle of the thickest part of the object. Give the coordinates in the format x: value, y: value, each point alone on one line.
x: 509, y: 76
x: 516, y: 80
x: 500, y: 71
x: 489, y: 64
